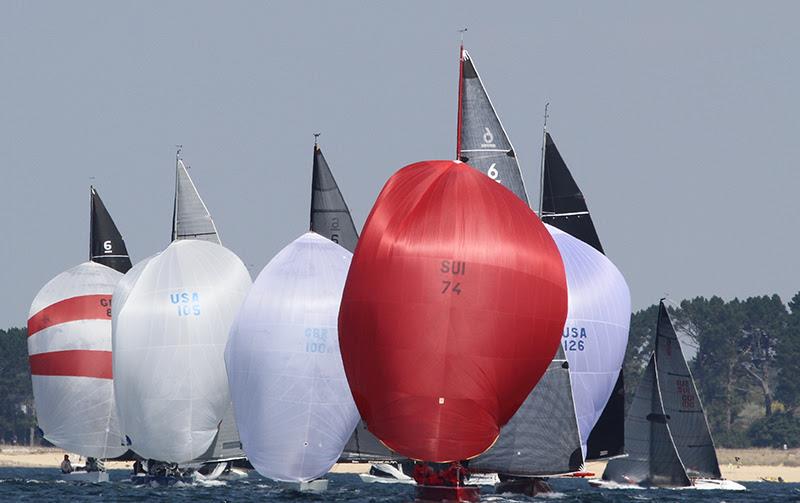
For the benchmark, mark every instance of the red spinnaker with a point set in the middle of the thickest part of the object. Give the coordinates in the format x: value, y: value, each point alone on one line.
x: 452, y: 310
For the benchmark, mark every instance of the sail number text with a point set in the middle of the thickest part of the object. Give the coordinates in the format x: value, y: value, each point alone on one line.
x: 452, y: 268
x: 187, y: 304
x: 317, y: 341
x: 684, y: 388
x: 574, y: 338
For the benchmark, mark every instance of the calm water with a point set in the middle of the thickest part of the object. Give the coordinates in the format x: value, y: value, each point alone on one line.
x: 24, y: 484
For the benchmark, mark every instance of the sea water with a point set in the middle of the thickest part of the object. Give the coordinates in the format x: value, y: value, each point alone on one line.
x: 27, y: 484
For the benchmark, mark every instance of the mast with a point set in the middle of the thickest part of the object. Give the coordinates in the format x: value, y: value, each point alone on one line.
x: 541, y: 170
x: 91, y: 221
x: 175, y: 201
x: 460, y: 92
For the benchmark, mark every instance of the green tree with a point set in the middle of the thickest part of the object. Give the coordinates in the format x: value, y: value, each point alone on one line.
x: 16, y: 406
x: 787, y: 359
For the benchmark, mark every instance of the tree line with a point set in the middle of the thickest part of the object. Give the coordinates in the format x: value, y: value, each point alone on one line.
x: 746, y: 366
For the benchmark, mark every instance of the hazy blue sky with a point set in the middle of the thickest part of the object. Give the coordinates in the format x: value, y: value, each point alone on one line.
x: 679, y: 120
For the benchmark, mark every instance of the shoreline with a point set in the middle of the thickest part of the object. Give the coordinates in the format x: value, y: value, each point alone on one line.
x: 753, y: 465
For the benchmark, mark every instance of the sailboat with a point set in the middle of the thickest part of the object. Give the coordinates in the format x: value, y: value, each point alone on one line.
x: 69, y: 347
x: 330, y: 217
x: 599, y: 379
x: 542, y: 438
x: 446, y: 261
x: 171, y: 319
x: 667, y: 437
x: 294, y: 407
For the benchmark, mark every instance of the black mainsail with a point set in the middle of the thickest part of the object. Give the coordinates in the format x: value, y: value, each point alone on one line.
x: 666, y: 432
x: 106, y: 245
x: 564, y: 206
x: 542, y: 437
x: 330, y: 218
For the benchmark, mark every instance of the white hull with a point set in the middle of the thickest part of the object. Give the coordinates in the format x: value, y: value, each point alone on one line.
x: 483, y: 479
x: 372, y: 479
x: 698, y: 484
x: 86, y: 477
x: 311, y: 486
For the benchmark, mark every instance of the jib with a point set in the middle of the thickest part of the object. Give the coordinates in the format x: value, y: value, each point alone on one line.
x: 454, y: 267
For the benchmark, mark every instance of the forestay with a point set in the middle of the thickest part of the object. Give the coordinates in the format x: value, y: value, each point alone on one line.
x: 293, y: 405
x: 69, y: 347
x: 171, y: 384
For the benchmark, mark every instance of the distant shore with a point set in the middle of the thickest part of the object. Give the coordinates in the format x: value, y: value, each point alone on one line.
x: 752, y: 465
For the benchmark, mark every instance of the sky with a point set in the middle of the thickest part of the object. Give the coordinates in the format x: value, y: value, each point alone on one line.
x: 679, y: 120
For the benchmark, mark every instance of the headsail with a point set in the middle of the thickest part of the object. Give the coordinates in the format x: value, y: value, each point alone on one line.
x: 483, y: 144
x: 564, y: 206
x: 330, y: 216
x: 687, y: 420
x: 106, y: 245
x: 191, y: 219
x: 481, y: 140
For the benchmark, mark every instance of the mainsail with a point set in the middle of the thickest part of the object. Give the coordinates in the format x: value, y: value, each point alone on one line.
x: 69, y: 347
x: 547, y: 419
x: 446, y: 261
x: 294, y: 408
x: 330, y: 217
x: 106, y: 245
x: 191, y: 219
x: 666, y: 432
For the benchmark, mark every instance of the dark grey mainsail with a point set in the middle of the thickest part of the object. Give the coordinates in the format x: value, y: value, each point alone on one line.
x: 652, y: 458
x: 192, y: 220
x: 330, y: 217
x: 687, y: 420
x: 564, y: 206
x: 542, y: 437
x: 106, y: 245
x: 481, y: 141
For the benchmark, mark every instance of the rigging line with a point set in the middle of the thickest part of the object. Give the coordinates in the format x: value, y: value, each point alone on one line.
x: 541, y: 170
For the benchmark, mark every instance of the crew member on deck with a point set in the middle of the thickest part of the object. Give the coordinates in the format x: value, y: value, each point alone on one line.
x: 66, y: 465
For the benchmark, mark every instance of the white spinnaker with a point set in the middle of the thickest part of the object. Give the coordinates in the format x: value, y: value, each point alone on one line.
x: 76, y: 412
x: 171, y: 319
x: 596, y: 332
x: 292, y: 403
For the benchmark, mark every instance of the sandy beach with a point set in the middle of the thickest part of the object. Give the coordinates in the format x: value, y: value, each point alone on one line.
x: 752, y: 465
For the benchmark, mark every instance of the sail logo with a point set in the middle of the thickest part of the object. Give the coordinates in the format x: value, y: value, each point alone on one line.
x: 493, y: 173
x: 187, y: 304
x: 335, y: 228
x: 574, y: 338
x: 488, y: 139
x: 317, y: 341
x: 107, y: 247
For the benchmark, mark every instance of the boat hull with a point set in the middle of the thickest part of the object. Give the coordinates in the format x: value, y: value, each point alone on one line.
x: 310, y: 486
x: 527, y: 486
x: 697, y: 484
x: 86, y: 477
x: 447, y: 493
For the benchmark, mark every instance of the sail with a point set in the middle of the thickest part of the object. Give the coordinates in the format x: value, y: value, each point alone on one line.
x: 171, y: 317
x: 563, y: 204
x: 191, y: 219
x: 106, y: 245
x: 596, y: 333
x: 446, y: 262
x: 69, y: 348
x: 687, y: 420
x: 330, y: 216
x: 652, y: 458
x: 294, y: 407
x: 481, y: 141
x: 530, y: 444
x: 607, y: 438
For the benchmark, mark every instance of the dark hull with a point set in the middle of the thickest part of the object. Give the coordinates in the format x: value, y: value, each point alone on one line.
x: 527, y: 486
x: 448, y: 493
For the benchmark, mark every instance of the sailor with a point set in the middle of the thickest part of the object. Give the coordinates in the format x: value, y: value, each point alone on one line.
x: 66, y: 465
x: 137, y: 467
x: 91, y: 465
